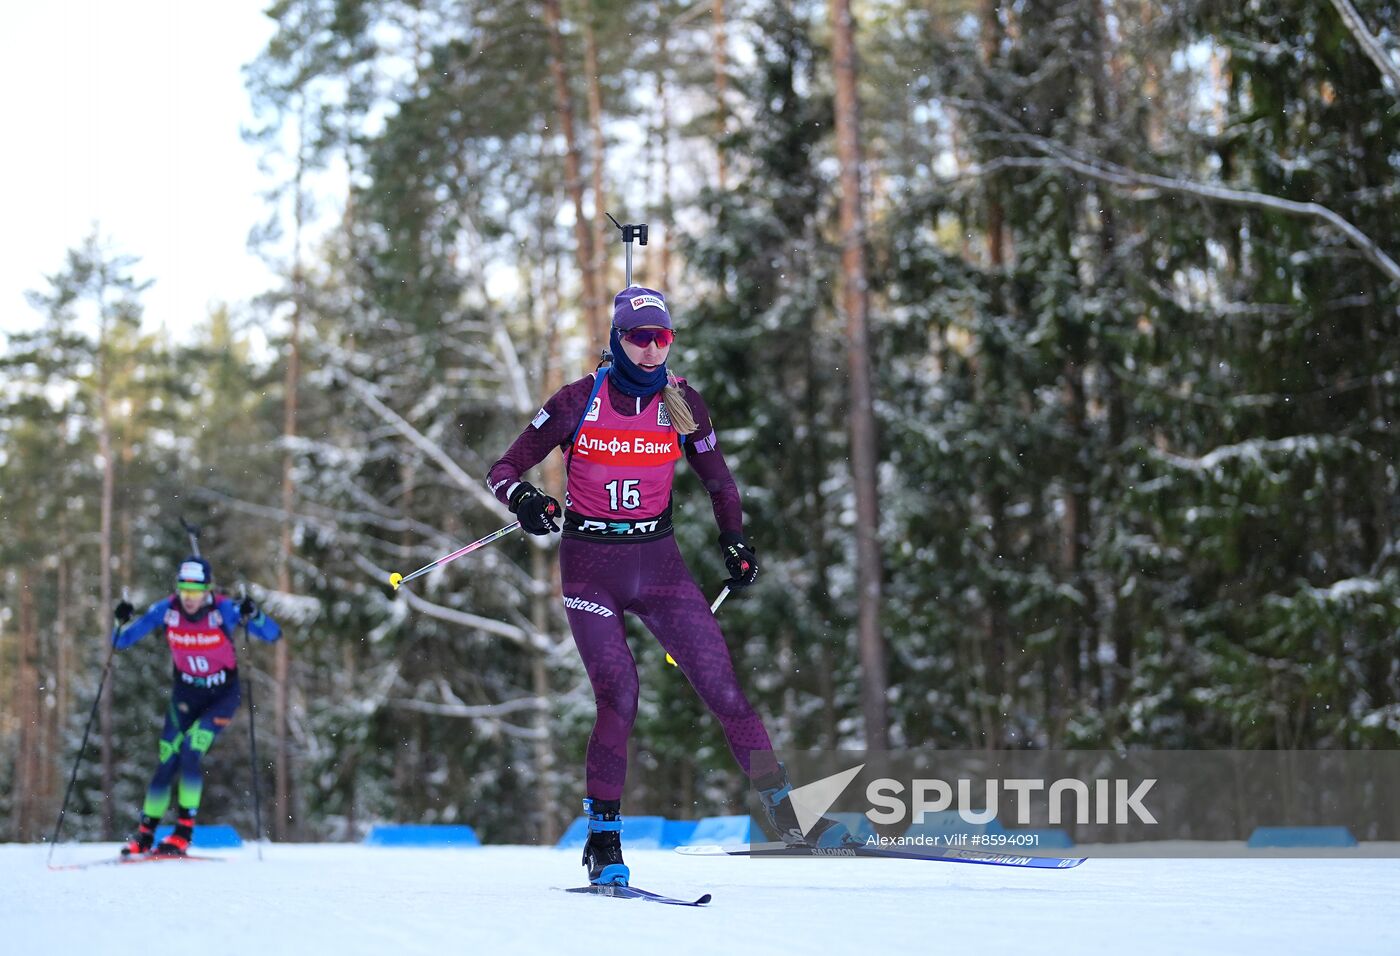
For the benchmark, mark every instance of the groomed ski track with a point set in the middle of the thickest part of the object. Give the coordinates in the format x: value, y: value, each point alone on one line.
x: 332, y: 898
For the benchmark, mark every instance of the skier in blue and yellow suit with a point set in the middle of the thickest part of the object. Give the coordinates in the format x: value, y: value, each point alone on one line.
x: 199, y: 625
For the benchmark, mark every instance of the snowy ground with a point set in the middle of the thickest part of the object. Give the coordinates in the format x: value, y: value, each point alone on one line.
x: 307, y: 899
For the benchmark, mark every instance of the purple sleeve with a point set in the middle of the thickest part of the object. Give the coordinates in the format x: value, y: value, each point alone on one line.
x: 702, y: 451
x: 551, y: 428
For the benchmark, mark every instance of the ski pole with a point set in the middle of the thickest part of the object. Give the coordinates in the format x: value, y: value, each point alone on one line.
x: 252, y: 727
x: 724, y: 593
x: 77, y: 762
x: 397, y: 580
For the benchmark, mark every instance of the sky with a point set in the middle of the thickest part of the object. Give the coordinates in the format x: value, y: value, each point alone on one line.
x: 127, y: 114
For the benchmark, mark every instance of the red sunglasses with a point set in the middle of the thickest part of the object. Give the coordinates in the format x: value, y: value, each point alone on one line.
x: 641, y: 338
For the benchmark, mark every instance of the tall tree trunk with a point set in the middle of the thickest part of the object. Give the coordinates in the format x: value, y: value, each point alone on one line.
x: 9, y: 683
x: 546, y: 807
x: 992, y: 655
x: 830, y: 737
x: 1082, y: 647
x: 127, y: 543
x: 1106, y: 98
x: 1119, y: 618
x: 721, y: 65
x: 595, y: 129
x: 284, y: 823
x: 545, y: 569
x: 665, y: 207
x: 855, y: 297
x: 62, y: 649
x: 27, y: 767
x: 1155, y: 130
x: 104, y: 546
x: 819, y: 591
x: 996, y: 213
x: 573, y: 175
x: 995, y: 657
x: 45, y: 732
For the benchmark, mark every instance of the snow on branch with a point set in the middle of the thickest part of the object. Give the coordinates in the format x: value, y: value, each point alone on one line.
x: 517, y: 635
x: 1346, y: 589
x: 365, y: 393
x: 470, y: 710
x: 510, y: 358
x: 454, y: 706
x: 1144, y: 186
x: 1368, y: 42
x: 298, y: 609
x: 489, y: 712
x: 488, y: 624
x: 263, y: 511
x: 329, y: 521
x: 1358, y: 594
x: 515, y: 373
x: 333, y: 526
x: 1255, y: 451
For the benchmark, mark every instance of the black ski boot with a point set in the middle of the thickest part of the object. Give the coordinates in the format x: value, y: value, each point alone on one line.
x: 139, y: 843
x: 602, y: 854
x: 178, y: 843
x: 773, y: 793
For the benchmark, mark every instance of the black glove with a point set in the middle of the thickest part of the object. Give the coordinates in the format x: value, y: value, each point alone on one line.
x: 123, y: 612
x: 535, y: 509
x: 740, y: 559
x: 247, y: 610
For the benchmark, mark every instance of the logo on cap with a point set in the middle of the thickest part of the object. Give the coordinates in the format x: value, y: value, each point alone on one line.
x: 642, y: 301
x: 193, y: 572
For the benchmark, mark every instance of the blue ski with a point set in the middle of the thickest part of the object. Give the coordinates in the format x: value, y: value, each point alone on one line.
x: 633, y: 893
x: 947, y: 854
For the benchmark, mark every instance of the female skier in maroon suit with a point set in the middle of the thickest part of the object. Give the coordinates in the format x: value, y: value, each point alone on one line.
x: 621, y: 430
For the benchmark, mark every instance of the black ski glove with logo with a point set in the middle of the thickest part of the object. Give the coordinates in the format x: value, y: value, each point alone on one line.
x: 740, y: 559
x: 536, y: 510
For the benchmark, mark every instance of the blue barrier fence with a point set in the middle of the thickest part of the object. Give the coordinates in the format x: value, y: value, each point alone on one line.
x: 1296, y: 837
x: 651, y: 833
x: 640, y: 833
x: 949, y: 823
x: 422, y: 835
x: 208, y: 836
x: 721, y: 830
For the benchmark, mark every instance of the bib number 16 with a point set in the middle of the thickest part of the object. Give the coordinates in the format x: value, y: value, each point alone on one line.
x: 624, y: 495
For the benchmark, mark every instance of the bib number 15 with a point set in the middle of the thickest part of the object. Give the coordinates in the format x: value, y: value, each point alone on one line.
x: 624, y: 495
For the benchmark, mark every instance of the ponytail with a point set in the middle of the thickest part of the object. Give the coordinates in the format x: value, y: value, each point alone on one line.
x: 677, y: 408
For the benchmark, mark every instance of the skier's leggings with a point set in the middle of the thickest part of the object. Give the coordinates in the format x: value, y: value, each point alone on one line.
x: 650, y: 579
x: 192, y: 721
